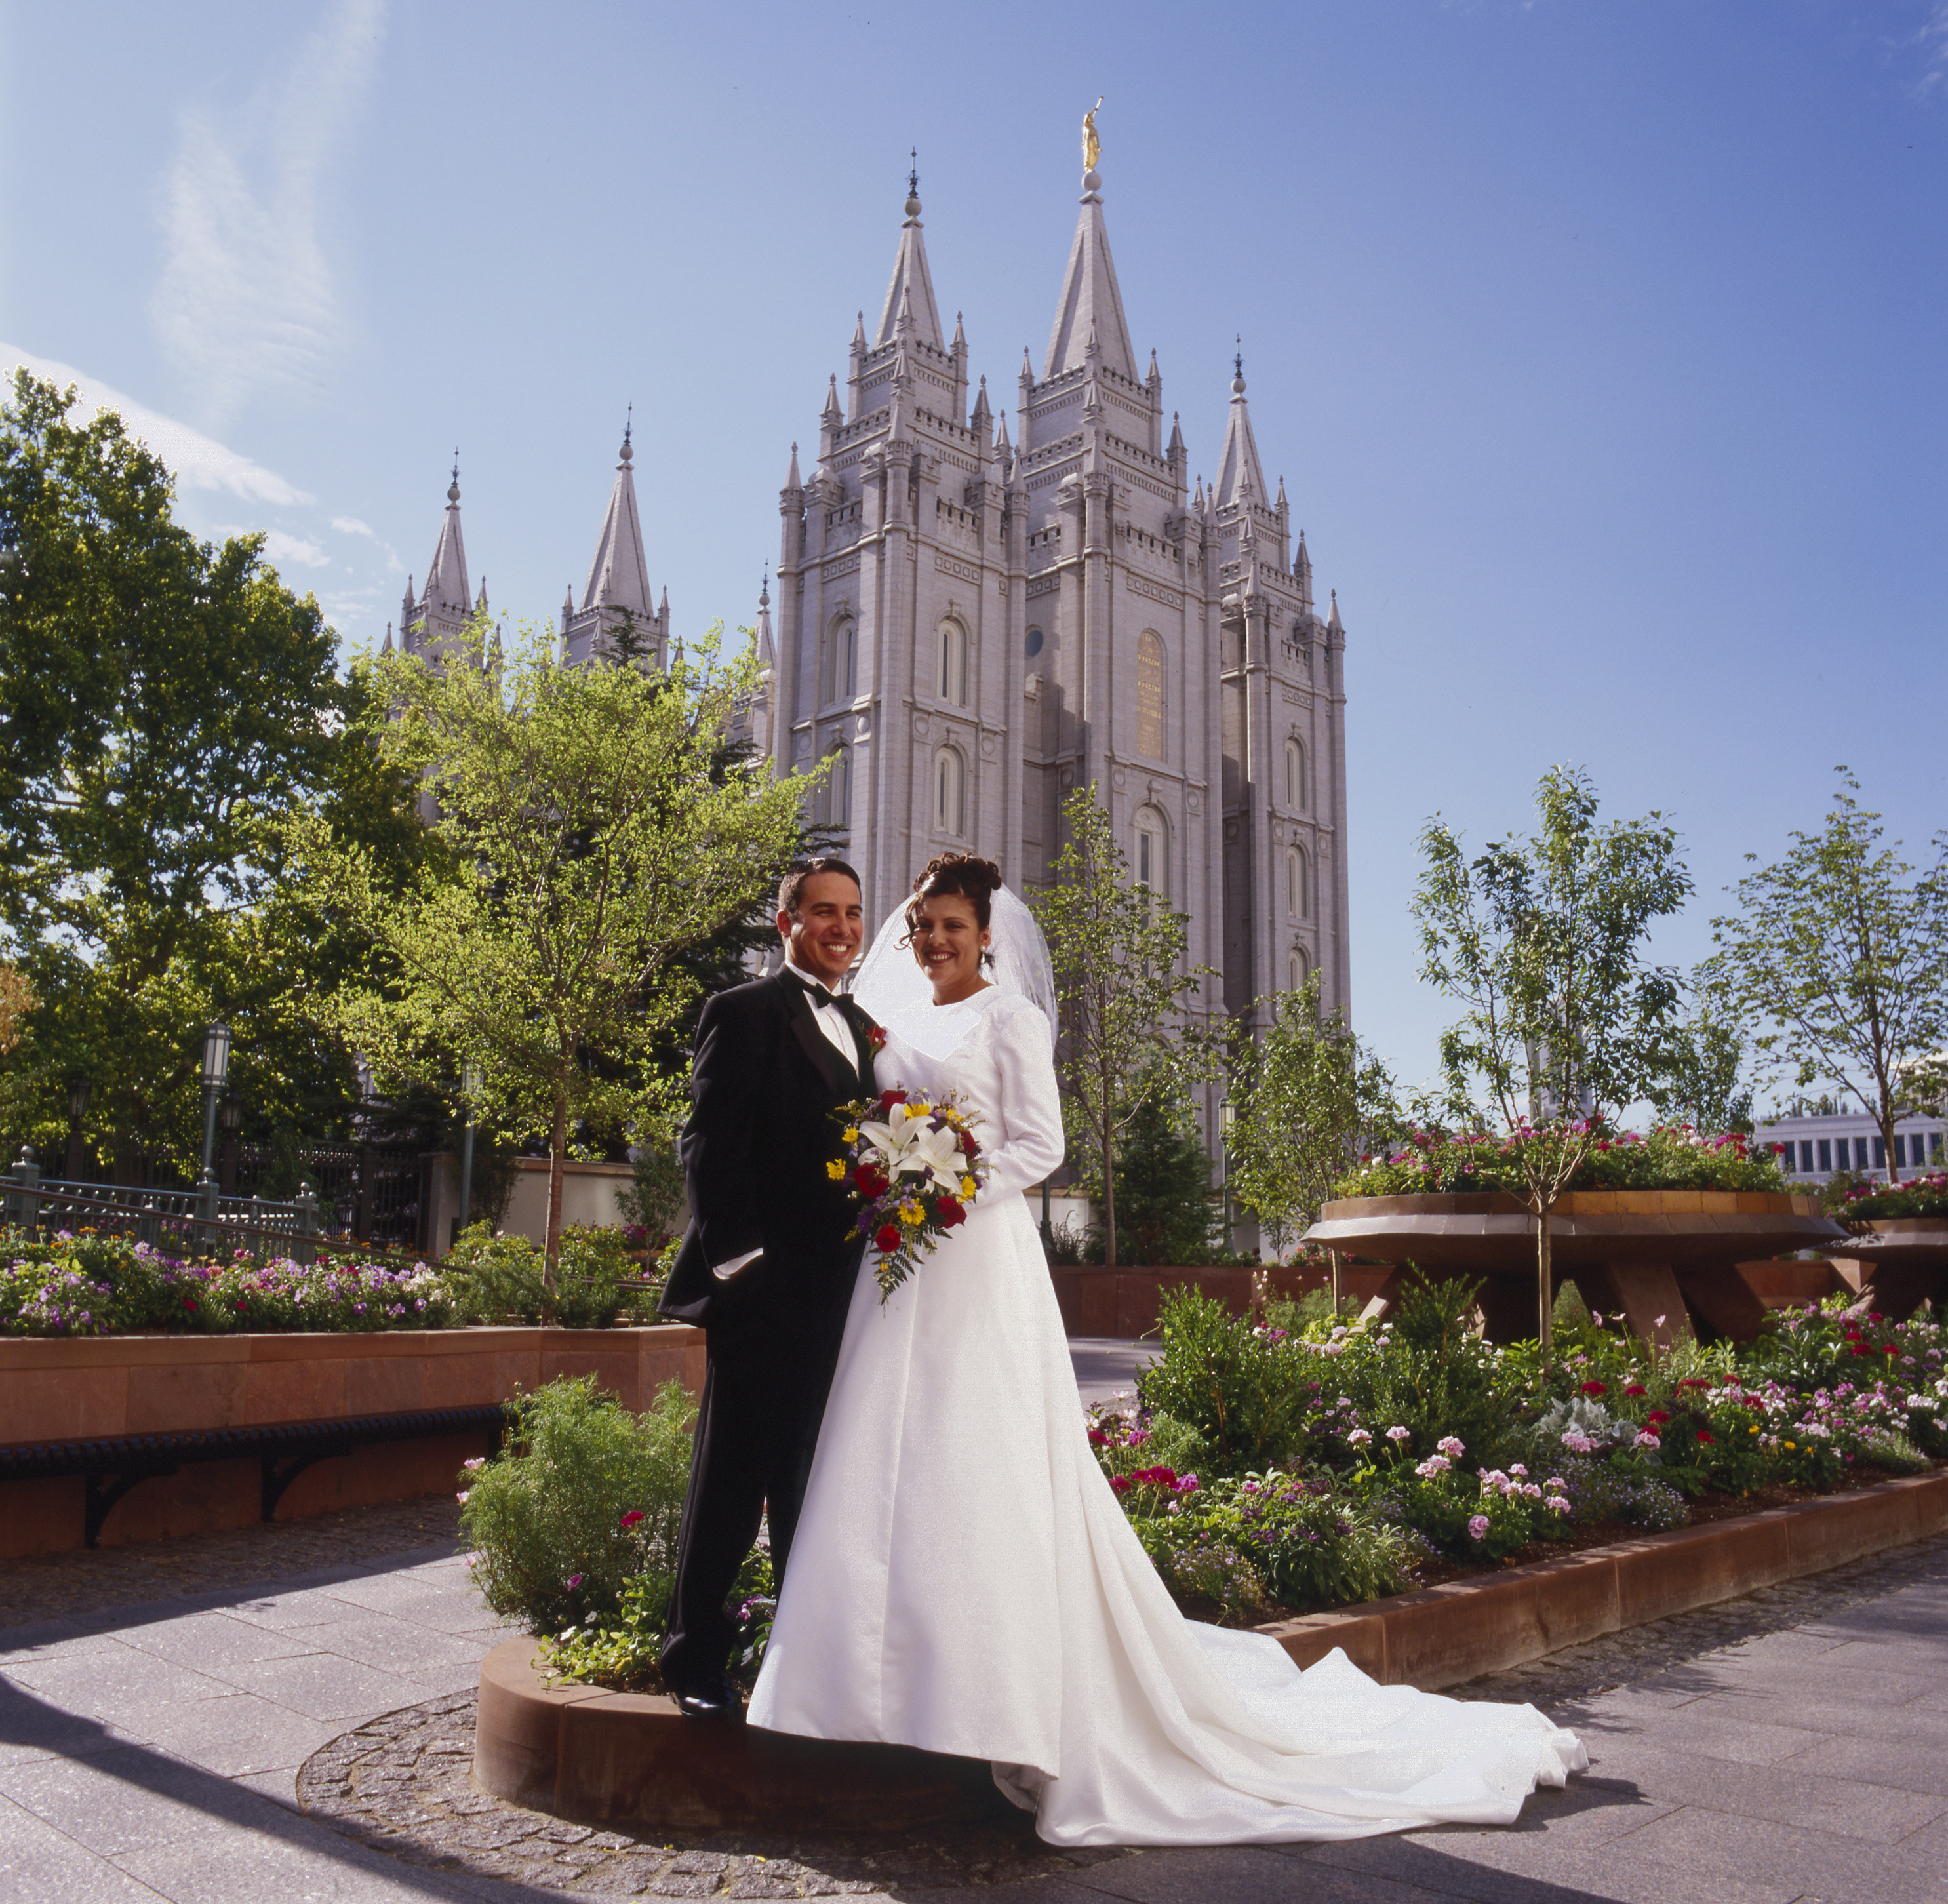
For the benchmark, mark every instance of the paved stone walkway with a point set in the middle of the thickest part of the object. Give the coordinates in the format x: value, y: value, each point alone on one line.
x: 159, y: 1705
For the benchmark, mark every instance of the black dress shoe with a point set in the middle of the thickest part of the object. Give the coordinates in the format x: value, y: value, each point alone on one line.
x: 712, y: 1699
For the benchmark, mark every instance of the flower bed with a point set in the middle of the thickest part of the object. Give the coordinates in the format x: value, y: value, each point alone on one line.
x: 1919, y: 1196
x: 1270, y: 1469
x: 88, y: 1285
x: 1671, y: 1156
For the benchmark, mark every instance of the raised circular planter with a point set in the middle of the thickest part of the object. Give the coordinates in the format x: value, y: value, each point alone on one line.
x: 1898, y: 1264
x: 632, y: 1758
x: 1638, y: 1253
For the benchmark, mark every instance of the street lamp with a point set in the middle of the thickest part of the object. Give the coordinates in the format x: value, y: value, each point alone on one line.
x: 1227, y: 1116
x: 470, y: 1087
x: 80, y: 1090
x: 216, y: 1069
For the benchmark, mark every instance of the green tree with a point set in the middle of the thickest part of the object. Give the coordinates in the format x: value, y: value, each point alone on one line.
x: 1838, y: 954
x: 588, y: 834
x: 1303, y: 1096
x: 1697, y: 1078
x: 1124, y: 990
x: 1163, y: 1187
x: 164, y: 703
x: 1542, y: 940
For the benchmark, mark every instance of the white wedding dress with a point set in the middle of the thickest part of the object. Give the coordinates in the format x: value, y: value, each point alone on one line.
x: 963, y: 1580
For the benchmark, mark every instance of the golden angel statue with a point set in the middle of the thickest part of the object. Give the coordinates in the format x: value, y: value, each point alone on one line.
x: 1091, y: 147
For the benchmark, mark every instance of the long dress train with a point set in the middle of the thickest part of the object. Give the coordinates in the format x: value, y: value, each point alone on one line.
x: 963, y: 1579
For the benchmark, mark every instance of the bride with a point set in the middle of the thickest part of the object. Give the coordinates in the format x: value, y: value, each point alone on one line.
x: 963, y: 1579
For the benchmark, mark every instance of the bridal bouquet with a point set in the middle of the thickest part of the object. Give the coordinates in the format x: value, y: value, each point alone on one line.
x: 914, y: 1165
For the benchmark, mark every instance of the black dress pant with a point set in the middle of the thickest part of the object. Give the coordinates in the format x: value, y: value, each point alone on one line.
x: 763, y: 1398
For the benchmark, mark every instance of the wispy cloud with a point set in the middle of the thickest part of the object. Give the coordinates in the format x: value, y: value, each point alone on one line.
x: 1933, y: 40
x: 352, y: 525
x: 197, y: 461
x: 248, y: 303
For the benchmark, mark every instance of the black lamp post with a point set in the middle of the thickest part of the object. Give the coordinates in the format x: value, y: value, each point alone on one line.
x: 1227, y: 1116
x: 470, y: 1088
x: 216, y: 1069
x: 80, y: 1090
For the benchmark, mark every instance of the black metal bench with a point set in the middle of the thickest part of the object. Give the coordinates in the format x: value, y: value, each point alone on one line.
x: 111, y: 1466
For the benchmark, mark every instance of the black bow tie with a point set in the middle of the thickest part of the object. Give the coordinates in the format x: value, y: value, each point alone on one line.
x: 818, y: 994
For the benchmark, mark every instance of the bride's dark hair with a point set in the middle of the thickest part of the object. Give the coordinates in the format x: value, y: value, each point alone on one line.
x: 975, y: 879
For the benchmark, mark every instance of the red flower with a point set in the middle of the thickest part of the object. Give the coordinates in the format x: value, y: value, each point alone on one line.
x: 1097, y: 1439
x: 871, y: 1180
x: 952, y: 1212
x: 1596, y: 1388
x: 630, y: 1519
x: 1705, y: 1435
x: 1156, y: 1477
x: 888, y: 1239
x: 1636, y: 1388
x: 968, y: 1148
x: 1121, y: 1483
x: 889, y: 1098
x: 1656, y: 1417
x: 876, y: 1037
x: 1860, y: 1348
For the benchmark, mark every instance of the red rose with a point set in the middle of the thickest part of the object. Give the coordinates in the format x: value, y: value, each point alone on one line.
x: 888, y: 1239
x: 952, y: 1212
x: 876, y: 1037
x: 1704, y: 1436
x: 889, y: 1098
x: 1636, y: 1388
x: 630, y: 1519
x: 968, y: 1148
x: 1656, y: 1416
x: 1596, y: 1388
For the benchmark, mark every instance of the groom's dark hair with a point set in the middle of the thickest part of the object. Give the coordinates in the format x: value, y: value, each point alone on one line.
x: 791, y: 888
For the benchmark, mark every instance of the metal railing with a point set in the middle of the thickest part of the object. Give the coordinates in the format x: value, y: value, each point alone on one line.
x: 201, y: 1222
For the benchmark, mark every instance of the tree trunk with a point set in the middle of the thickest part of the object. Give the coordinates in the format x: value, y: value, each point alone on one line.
x: 557, y: 1160
x: 1334, y: 1255
x: 1109, y: 1192
x: 1886, y: 1121
x: 1545, y: 1282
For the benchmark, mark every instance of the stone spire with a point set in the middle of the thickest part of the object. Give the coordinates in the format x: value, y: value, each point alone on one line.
x: 767, y: 654
x: 446, y: 590
x: 1090, y: 304
x: 910, y: 290
x: 618, y: 578
x: 1240, y: 477
x: 982, y: 418
x: 387, y: 648
x: 1332, y: 621
x: 792, y: 481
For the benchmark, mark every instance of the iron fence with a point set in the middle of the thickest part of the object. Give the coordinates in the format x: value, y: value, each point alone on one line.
x: 201, y: 1222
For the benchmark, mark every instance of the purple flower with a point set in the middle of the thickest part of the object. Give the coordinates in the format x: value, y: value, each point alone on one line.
x: 574, y: 1580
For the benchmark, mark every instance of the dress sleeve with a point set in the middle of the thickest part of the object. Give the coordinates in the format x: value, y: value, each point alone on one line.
x: 1027, y: 1133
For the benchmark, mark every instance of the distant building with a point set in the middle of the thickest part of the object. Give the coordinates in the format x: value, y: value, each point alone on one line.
x: 1817, y: 1145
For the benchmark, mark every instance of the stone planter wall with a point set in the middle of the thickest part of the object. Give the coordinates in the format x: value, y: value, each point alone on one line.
x: 91, y: 1387
x: 1125, y: 1301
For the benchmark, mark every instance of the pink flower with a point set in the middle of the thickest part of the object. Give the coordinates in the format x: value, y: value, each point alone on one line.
x: 1434, y: 1465
x: 634, y: 1514
x: 1647, y: 1440
x: 1477, y: 1527
x: 1397, y: 1434
x: 461, y: 1496
x: 574, y: 1580
x: 1451, y: 1447
x: 1358, y: 1438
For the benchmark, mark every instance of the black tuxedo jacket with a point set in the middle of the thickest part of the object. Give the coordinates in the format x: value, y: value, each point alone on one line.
x: 764, y: 1081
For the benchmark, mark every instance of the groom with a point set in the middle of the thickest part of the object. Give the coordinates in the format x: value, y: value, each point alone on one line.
x: 767, y: 1266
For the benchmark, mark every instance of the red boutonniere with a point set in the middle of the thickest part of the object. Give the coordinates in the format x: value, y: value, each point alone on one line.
x: 877, y: 1038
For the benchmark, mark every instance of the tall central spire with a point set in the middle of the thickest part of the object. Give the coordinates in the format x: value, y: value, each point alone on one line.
x: 446, y: 577
x: 1091, y: 305
x: 1240, y: 476
x: 618, y: 576
x: 910, y: 292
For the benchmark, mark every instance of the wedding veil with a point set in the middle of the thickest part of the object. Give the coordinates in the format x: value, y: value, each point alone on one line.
x: 890, y: 979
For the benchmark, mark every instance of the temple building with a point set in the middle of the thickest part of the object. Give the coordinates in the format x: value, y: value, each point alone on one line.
x: 970, y: 621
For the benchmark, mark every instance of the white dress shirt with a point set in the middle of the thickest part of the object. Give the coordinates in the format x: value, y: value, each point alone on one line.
x: 838, y: 1028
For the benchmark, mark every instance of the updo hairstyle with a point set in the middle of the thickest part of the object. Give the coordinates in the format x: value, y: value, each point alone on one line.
x: 974, y: 879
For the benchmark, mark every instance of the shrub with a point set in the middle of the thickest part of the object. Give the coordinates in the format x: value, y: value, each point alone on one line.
x: 584, y: 1498
x: 1671, y: 1156
x: 495, y: 1277
x: 1237, y: 1387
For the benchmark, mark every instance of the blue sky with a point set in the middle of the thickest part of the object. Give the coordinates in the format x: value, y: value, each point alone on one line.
x: 1601, y: 346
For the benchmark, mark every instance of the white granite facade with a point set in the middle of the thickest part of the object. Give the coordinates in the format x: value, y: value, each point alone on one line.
x: 975, y: 625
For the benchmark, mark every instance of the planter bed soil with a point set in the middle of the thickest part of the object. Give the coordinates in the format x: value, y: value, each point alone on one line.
x: 629, y: 1759
x: 97, y: 1387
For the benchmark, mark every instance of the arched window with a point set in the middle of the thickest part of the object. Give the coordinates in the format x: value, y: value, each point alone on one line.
x: 950, y: 791
x: 840, y: 656
x: 1298, y: 969
x: 954, y: 663
x: 1298, y: 884
x: 837, y: 801
x: 1149, y: 695
x: 1152, y: 851
x: 1295, y: 776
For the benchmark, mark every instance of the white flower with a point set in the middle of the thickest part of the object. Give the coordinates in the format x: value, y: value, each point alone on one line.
x: 1357, y: 1438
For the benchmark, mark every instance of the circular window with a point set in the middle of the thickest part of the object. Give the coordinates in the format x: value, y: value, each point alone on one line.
x: 1031, y: 643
